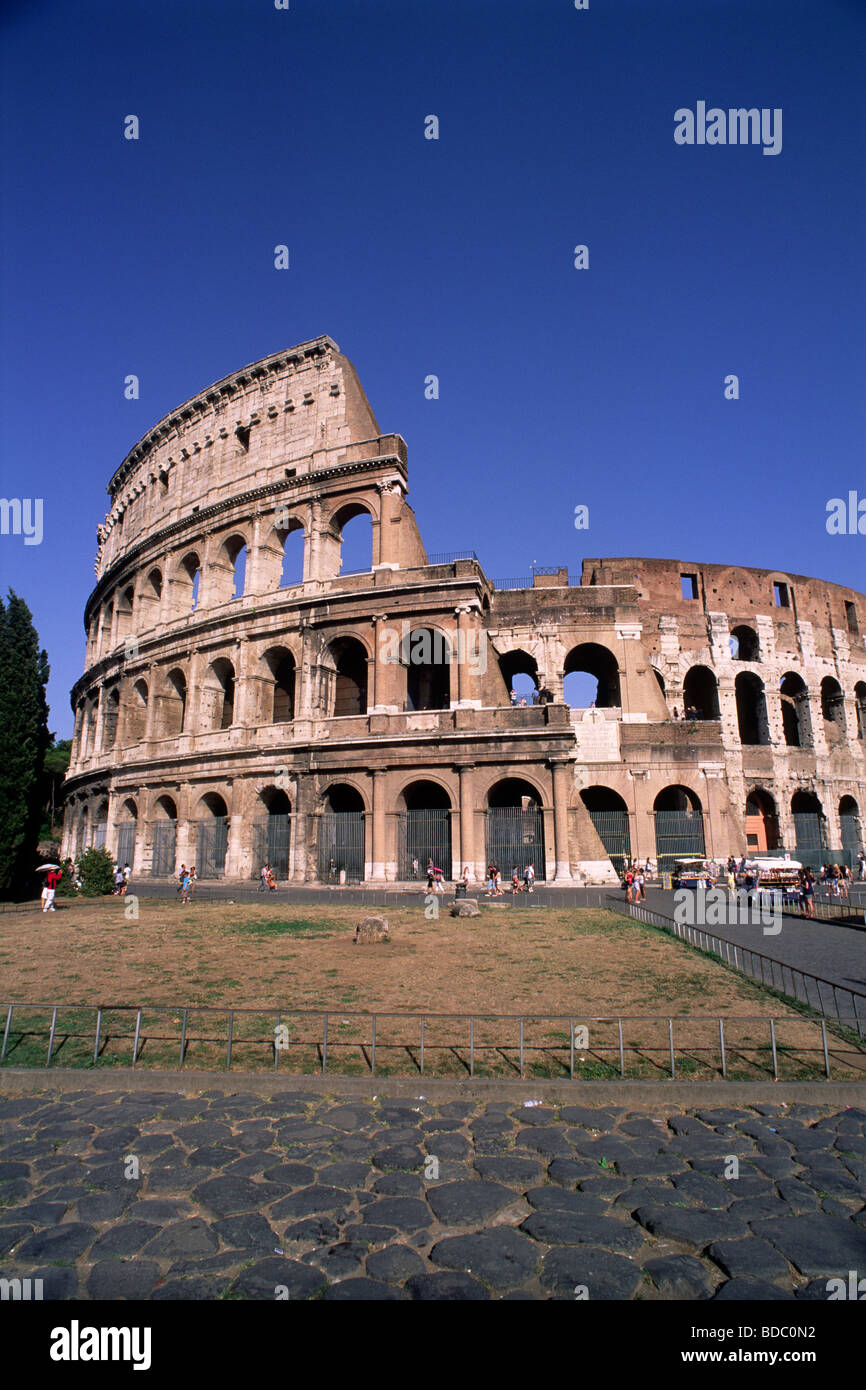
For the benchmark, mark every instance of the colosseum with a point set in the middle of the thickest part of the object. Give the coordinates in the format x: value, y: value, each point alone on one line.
x: 247, y: 698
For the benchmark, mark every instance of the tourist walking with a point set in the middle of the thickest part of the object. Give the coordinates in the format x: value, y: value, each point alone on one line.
x: 515, y: 880
x: 52, y: 878
x: 807, y: 882
x: 529, y: 878
x: 185, y: 885
x: 263, y: 878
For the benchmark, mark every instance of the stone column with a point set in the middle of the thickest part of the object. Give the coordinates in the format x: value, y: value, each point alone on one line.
x: 377, y: 852
x: 151, y: 703
x: 235, y: 847
x: 561, y: 789
x: 467, y: 820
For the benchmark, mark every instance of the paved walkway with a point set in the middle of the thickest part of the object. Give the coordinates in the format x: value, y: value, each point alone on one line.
x: 175, y: 1194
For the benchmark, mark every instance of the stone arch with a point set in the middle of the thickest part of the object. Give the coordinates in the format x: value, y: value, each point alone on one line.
x: 135, y: 722
x: 164, y: 837
x: 701, y: 693
x: 423, y: 827
x: 752, y: 721
x: 679, y: 826
x: 515, y: 826
x: 796, y: 720
x: 598, y: 662
x: 609, y: 815
x: 762, y: 821
x: 291, y: 538
x: 519, y: 672
x: 110, y: 716
x: 227, y: 571
x: 124, y: 613
x: 810, y: 826
x: 860, y: 706
x: 342, y: 833
x: 426, y: 654
x: 744, y: 643
x: 174, y: 703
x: 150, y: 597
x: 212, y: 821
x: 218, y: 695
x: 282, y: 669
x: 187, y: 583
x: 343, y: 670
x: 832, y: 708
x: 331, y: 556
x: 850, y: 825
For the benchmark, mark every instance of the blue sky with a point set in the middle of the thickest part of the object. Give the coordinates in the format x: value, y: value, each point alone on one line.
x: 454, y: 257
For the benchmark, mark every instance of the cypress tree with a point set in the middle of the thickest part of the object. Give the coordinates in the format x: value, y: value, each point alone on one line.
x: 23, y: 741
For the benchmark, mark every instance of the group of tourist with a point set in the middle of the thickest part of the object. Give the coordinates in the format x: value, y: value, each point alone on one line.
x: 494, y: 880
x: 538, y: 697
x: 634, y: 881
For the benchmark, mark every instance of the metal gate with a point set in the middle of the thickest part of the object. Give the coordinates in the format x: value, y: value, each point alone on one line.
x: 810, y: 835
x: 341, y: 846
x: 516, y: 836
x: 679, y: 835
x: 613, y: 830
x: 852, y: 837
x: 213, y: 838
x: 423, y: 835
x: 271, y: 845
x: 126, y: 842
x: 164, y: 842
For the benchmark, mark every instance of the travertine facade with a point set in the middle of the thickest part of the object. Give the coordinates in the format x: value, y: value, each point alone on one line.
x: 231, y: 711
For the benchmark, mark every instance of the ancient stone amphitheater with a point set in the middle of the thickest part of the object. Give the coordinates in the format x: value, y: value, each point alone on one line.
x: 246, y: 698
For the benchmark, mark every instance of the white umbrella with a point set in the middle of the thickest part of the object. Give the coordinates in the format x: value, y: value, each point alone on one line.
x: 43, y: 868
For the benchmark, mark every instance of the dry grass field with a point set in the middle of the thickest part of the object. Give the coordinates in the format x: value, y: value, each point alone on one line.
x: 291, y: 965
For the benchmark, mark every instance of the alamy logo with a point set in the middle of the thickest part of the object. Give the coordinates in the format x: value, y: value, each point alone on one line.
x: 715, y: 907
x: 77, y: 1343
x: 737, y: 126
x: 846, y: 518
x: 21, y: 1290
x: 856, y: 1289
x: 22, y: 516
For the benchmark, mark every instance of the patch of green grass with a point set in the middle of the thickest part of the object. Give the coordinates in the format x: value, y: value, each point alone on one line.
x: 295, y: 927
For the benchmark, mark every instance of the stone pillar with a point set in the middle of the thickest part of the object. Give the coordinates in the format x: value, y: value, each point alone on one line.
x: 466, y: 823
x: 252, y: 578
x: 301, y: 829
x: 377, y: 850
x: 387, y: 635
x: 470, y: 656
x: 561, y: 788
x: 151, y: 703
x: 235, y: 847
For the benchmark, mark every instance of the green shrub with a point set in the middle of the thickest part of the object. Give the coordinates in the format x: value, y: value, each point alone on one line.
x: 96, y: 867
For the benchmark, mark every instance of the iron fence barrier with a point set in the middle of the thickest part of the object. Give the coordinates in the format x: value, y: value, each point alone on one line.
x: 418, y: 1050
x: 744, y: 959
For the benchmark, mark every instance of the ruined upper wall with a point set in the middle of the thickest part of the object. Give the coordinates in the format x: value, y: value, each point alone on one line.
x: 740, y: 592
x: 303, y: 409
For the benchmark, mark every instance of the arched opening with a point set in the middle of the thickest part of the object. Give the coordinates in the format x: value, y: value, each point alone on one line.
x: 609, y: 814
x: 850, y: 826
x: 149, y: 598
x: 236, y: 552
x: 281, y: 665
x: 423, y: 830
x: 744, y: 643
x: 353, y: 527
x: 794, y: 699
x: 810, y: 827
x: 660, y: 680
x: 341, y: 835
x: 591, y: 677
x: 701, y: 694
x: 860, y: 706
x: 272, y: 834
x: 292, y: 543
x: 124, y: 601
x: 213, y: 836
x: 220, y: 691
x: 110, y: 716
x: 188, y: 583
x: 832, y: 709
x: 349, y: 679
x: 679, y: 826
x: 426, y: 654
x: 762, y: 822
x: 164, y: 838
x: 90, y: 728
x: 174, y: 704
x: 519, y: 673
x: 751, y: 709
x: 127, y: 826
x: 515, y: 827
x: 136, y: 714
x: 100, y: 826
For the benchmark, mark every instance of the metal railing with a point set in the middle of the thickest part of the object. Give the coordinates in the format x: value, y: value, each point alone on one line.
x: 766, y: 970
x: 318, y: 1026
x: 448, y: 557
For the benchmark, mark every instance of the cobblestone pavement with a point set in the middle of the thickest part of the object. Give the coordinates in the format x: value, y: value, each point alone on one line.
x: 301, y: 1195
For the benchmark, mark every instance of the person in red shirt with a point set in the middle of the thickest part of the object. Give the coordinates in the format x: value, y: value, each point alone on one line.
x: 52, y: 878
